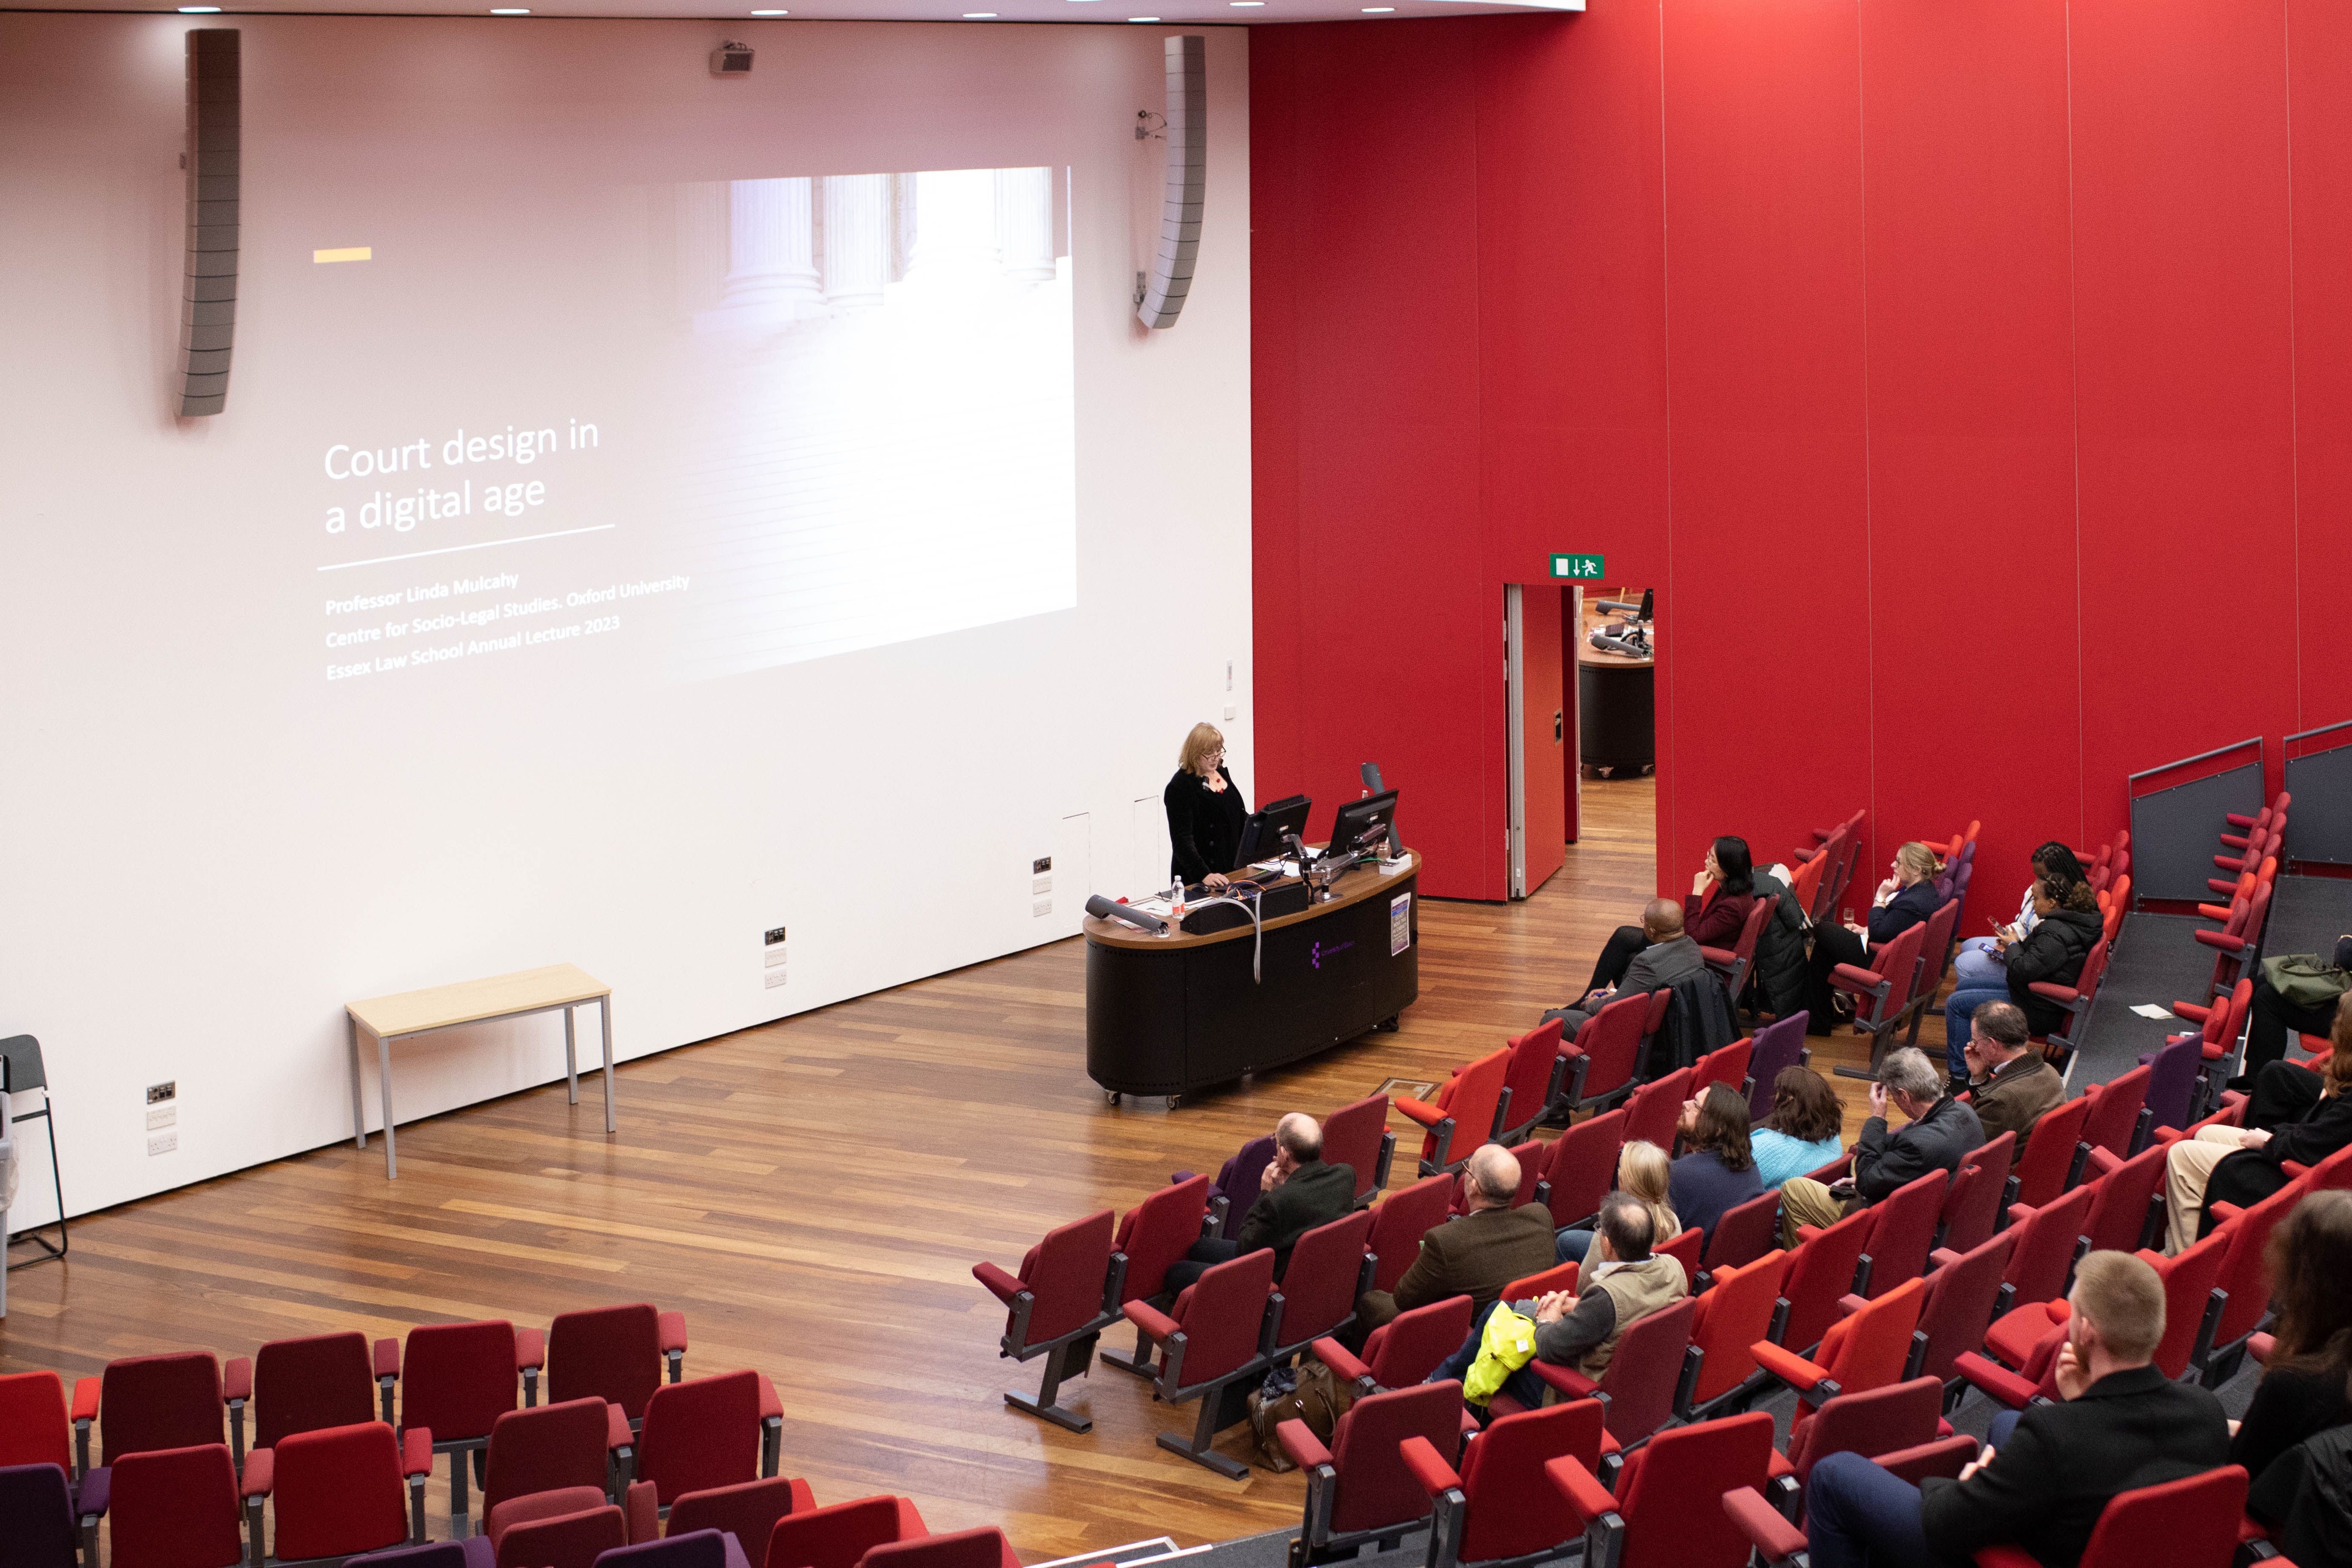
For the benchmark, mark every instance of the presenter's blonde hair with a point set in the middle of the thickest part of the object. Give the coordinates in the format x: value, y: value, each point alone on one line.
x: 1204, y: 738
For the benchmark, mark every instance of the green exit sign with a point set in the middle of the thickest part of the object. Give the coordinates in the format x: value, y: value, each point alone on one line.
x: 1581, y: 568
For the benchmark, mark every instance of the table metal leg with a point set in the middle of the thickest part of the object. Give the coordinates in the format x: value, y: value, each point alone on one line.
x: 571, y: 1061
x: 359, y: 1117
x: 383, y: 1063
x: 611, y: 1123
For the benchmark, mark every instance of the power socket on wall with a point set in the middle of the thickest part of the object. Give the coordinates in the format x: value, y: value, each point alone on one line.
x: 167, y: 1116
x: 162, y: 1142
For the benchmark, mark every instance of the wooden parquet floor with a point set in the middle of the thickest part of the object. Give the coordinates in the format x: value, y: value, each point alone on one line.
x: 811, y: 1194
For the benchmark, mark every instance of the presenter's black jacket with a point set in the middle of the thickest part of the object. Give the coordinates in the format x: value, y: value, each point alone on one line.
x: 2055, y: 950
x: 1315, y: 1193
x: 2045, y: 1488
x: 1203, y: 825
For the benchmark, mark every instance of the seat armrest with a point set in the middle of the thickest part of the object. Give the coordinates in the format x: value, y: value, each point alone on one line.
x: 261, y: 1473
x: 1850, y: 1303
x: 1852, y: 978
x: 2261, y: 1347
x: 1000, y: 1285
x: 642, y: 1507
x: 617, y: 1434
x: 531, y: 1348
x: 2104, y: 1161
x: 1788, y: 1366
x: 1998, y: 1381
x: 1434, y: 1474
x: 1763, y: 1524
x: 1306, y: 1450
x: 2224, y: 1212
x: 237, y: 1379
x: 2221, y: 940
x: 673, y: 1333
x: 1426, y: 1115
x: 1579, y: 1486
x: 386, y: 1355
x: 1943, y: 1257
x: 1723, y: 955
x: 415, y: 1451
x: 85, y: 1398
x: 2050, y: 990
x: 1566, y: 1379
x: 771, y: 1407
x: 1155, y: 1323
x: 91, y: 1497
x: 1345, y: 1365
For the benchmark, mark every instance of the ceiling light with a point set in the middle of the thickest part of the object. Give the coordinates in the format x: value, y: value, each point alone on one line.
x: 1377, y: 10
x: 509, y: 11
x: 772, y: 13
x: 198, y: 10
x: 980, y: 15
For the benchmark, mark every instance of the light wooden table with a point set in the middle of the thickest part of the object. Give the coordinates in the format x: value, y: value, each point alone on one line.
x: 415, y: 1012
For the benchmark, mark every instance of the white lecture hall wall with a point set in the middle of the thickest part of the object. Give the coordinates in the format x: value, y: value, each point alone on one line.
x: 870, y: 558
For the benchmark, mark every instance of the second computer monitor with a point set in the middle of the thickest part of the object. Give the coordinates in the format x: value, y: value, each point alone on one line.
x: 1263, y: 836
x: 1362, y: 821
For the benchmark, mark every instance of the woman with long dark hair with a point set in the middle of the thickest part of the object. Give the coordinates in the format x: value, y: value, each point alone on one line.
x: 1718, y: 1174
x: 2306, y: 1386
x: 1721, y: 894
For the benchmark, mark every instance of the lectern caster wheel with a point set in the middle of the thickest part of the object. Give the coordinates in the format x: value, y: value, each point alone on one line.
x: 1110, y: 1097
x: 1173, y: 1100
x: 1388, y: 1026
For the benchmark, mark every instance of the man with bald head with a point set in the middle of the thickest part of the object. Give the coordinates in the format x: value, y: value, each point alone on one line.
x: 1296, y: 1192
x: 1652, y: 956
x: 1477, y: 1254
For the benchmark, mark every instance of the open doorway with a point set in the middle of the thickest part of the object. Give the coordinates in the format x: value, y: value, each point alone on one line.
x: 1579, y: 697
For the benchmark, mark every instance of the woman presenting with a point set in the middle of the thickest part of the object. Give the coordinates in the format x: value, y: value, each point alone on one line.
x: 1205, y: 812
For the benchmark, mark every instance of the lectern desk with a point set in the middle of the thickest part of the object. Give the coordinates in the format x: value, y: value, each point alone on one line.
x: 1173, y: 1014
x: 413, y: 1013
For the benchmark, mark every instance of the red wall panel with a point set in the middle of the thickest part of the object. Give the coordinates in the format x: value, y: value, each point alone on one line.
x: 1764, y: 265
x: 2319, y: 58
x: 1971, y: 465
x: 2182, y: 352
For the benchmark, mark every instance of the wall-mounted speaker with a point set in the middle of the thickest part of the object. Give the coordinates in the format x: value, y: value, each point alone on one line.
x: 1188, y: 173
x: 208, y: 295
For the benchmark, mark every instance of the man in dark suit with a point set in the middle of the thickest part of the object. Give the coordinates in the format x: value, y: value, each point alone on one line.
x: 1476, y: 1254
x: 1297, y: 1193
x: 2048, y: 1472
x: 1667, y: 957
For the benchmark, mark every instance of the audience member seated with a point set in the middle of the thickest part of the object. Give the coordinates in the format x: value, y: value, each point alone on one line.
x: 2293, y: 1113
x: 2271, y: 1015
x: 2303, y: 1386
x: 2066, y: 927
x: 1938, y: 1133
x: 1297, y: 1192
x: 1644, y: 1173
x: 1476, y: 1254
x: 1804, y: 1131
x: 1638, y: 960
x: 2010, y: 1086
x: 1721, y: 895
x: 1980, y: 962
x: 1626, y: 1283
x: 1718, y: 1174
x: 1905, y: 899
x: 2048, y: 1471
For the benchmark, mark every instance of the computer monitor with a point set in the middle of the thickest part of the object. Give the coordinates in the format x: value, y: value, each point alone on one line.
x: 1361, y: 822
x: 1649, y: 604
x: 1263, y: 834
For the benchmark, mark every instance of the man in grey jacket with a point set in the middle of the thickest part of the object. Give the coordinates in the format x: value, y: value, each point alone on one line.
x: 1940, y: 1130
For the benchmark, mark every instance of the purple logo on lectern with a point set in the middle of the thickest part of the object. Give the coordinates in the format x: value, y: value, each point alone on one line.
x: 1316, y: 956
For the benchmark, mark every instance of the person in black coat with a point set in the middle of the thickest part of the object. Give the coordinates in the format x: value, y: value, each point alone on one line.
x: 1298, y: 1190
x: 1905, y: 898
x: 2049, y: 1470
x: 2305, y: 1386
x: 2066, y: 927
x: 1205, y: 812
x: 2293, y: 1114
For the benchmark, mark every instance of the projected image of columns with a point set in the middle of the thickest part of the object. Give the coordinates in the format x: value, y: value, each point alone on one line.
x: 879, y: 444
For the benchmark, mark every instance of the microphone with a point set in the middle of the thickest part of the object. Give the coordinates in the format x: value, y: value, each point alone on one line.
x: 1140, y: 919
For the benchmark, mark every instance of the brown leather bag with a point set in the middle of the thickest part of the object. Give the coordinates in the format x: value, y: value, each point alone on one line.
x: 1311, y: 1394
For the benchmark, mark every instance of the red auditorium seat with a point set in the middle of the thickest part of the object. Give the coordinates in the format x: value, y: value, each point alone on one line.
x: 1651, y: 1114
x: 1743, y: 1304
x: 2049, y: 1157
x: 1066, y: 1294
x: 1399, y: 1222
x: 1731, y: 964
x: 1603, y: 1056
x: 1583, y: 1167
x: 2048, y: 1242
x: 748, y: 1511
x: 552, y: 1447
x: 1744, y: 1234
x: 1404, y: 1350
x: 1825, y: 1266
x: 613, y: 1353
x: 1963, y: 1295
x: 2187, y: 1523
x: 1882, y: 992
x: 1329, y: 1270
x: 1499, y: 1508
x: 458, y: 1379
x: 322, y: 1380
x: 1904, y: 1232
x: 709, y: 1432
x: 1156, y: 1234
x: 1220, y: 1329
x: 1649, y: 1381
x: 1663, y: 1513
x: 1536, y: 1079
x: 338, y: 1491
x: 1974, y: 1202
x: 1875, y: 1346
x: 1470, y: 1110
x: 1359, y: 1488
x: 175, y: 1508
x: 1357, y: 1135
